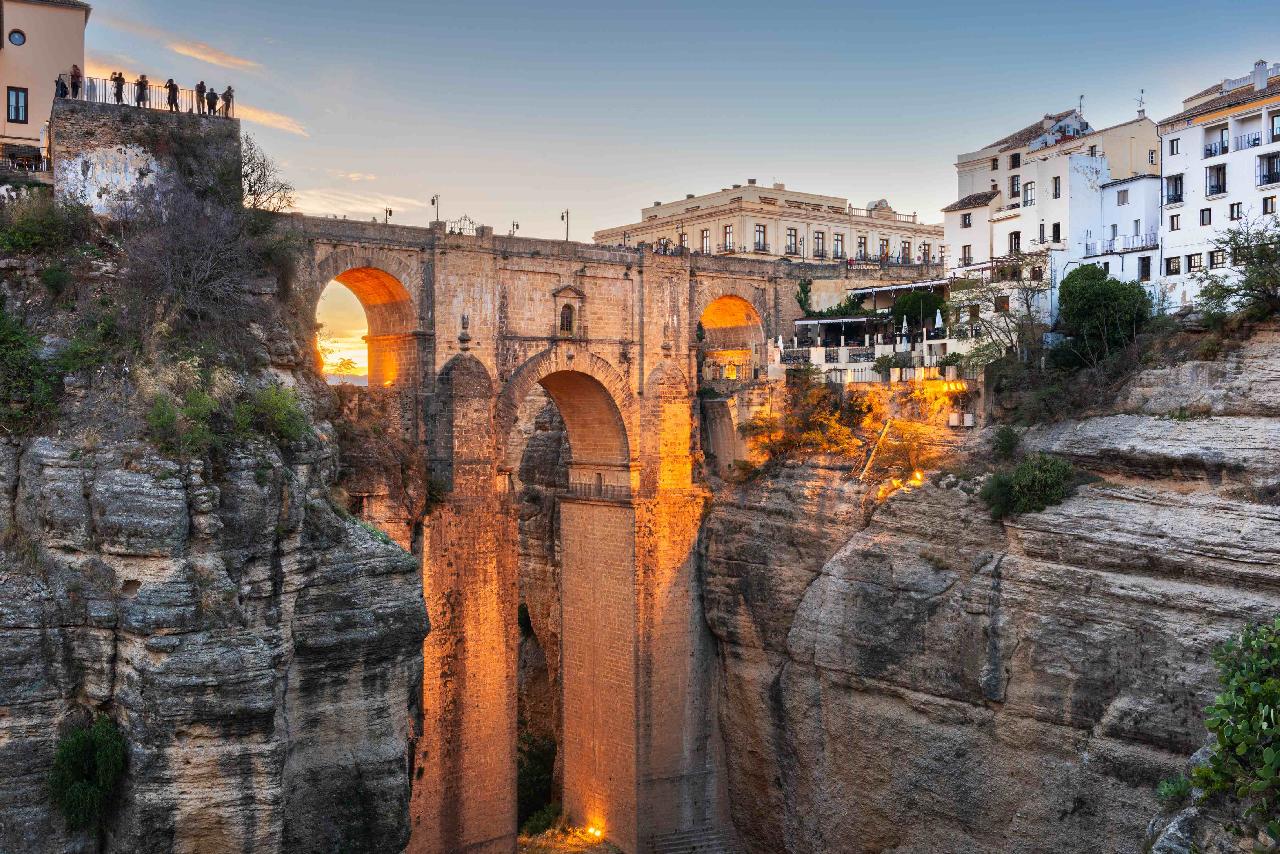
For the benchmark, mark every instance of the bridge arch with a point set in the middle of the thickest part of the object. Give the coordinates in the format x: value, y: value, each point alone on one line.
x: 385, y: 285
x: 733, y: 339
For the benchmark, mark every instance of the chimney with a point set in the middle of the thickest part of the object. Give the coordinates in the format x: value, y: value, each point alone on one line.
x: 751, y: 182
x: 655, y: 204
x: 1046, y: 122
x: 688, y: 195
x: 1259, y: 75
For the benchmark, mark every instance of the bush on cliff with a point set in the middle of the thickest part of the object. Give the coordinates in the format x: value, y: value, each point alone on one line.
x: 88, y: 766
x: 1038, y: 482
x: 1245, y: 721
x: 535, y: 765
x: 37, y: 223
x: 813, y: 420
x: 1253, y: 287
x: 1103, y: 315
x: 27, y: 384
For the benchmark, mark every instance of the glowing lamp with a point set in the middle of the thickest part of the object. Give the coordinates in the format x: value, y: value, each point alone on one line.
x: 595, y: 831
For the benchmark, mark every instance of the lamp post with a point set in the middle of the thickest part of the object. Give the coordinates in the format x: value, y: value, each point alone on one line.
x: 564, y: 215
x: 435, y: 203
x: 386, y: 216
x: 515, y: 226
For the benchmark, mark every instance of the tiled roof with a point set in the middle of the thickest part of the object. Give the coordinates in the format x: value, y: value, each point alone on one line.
x: 1243, y: 95
x: 1027, y: 134
x: 70, y: 4
x: 973, y: 200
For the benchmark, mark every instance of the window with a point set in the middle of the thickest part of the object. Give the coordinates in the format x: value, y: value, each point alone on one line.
x: 1015, y: 186
x: 1057, y: 187
x: 966, y: 255
x: 1057, y: 232
x: 837, y: 245
x: 973, y: 312
x: 1029, y: 194
x: 884, y: 247
x: 1268, y: 169
x: 684, y: 240
x: 1144, y: 268
x: 1106, y: 267
x: 1122, y: 197
x: 1195, y: 261
x: 1042, y: 232
x: 862, y: 247
x: 966, y: 220
x: 1236, y: 211
x: 1269, y: 204
x: 1173, y: 190
x: 1151, y: 156
x: 905, y: 253
x: 1206, y: 216
x: 706, y: 241
x: 819, y: 244
x: 762, y: 241
x: 1173, y: 266
x: 1217, y: 258
x: 791, y: 242
x: 728, y: 238
x: 17, y: 101
x: 1174, y: 147
x: 566, y: 320
x: 1175, y: 222
x: 1093, y: 151
x: 17, y: 38
x: 1215, y: 180
x: 1115, y: 231
x: 926, y: 252
x: 1015, y: 160
x: 995, y: 164
x: 1137, y: 227
x: 1002, y: 303
x: 1015, y: 242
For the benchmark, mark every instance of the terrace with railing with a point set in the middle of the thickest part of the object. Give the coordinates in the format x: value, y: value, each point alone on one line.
x: 148, y: 94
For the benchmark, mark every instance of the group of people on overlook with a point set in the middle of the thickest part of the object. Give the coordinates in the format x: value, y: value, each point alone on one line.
x: 208, y: 101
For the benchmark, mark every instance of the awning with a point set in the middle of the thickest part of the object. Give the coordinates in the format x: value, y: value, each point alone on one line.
x: 909, y: 286
x: 829, y: 321
x: 12, y: 150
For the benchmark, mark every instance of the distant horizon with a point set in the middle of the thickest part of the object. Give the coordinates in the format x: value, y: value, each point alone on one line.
x: 487, y: 107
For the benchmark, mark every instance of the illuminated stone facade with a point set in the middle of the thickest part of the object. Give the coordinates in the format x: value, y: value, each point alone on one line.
x: 466, y: 328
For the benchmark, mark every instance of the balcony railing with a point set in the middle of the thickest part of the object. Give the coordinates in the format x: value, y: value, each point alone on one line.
x: 1268, y: 171
x: 1130, y: 243
x: 1213, y: 188
x: 1173, y: 197
x: 599, y: 491
x: 1090, y: 248
x: 760, y: 246
x: 98, y: 90
x: 838, y: 255
x: 1214, y: 149
x: 726, y: 248
x: 791, y: 250
x: 819, y: 253
x: 1248, y: 140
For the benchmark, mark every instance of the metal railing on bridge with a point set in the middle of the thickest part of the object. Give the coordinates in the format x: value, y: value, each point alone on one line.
x: 598, y: 491
x: 136, y: 93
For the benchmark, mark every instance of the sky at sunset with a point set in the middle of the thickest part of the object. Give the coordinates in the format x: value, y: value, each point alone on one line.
x: 516, y: 111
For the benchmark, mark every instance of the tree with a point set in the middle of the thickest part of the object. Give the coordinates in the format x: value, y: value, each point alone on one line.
x: 1007, y: 313
x: 918, y: 307
x: 1101, y: 313
x: 813, y: 420
x: 1253, y: 249
x: 262, y: 186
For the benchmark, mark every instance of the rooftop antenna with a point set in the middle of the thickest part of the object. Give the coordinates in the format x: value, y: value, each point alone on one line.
x: 1080, y: 106
x: 1142, y: 102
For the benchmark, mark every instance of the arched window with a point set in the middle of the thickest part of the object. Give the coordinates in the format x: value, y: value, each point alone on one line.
x: 566, y: 320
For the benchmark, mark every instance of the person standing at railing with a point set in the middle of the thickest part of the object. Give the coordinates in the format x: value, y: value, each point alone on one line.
x: 211, y: 101
x: 117, y: 84
x: 228, y: 101
x: 200, y: 90
x: 141, y: 90
x: 172, y: 89
x: 77, y: 78
x: 60, y: 88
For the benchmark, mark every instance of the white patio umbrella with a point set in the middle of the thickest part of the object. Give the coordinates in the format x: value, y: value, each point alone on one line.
x: 904, y: 324
x: 937, y: 319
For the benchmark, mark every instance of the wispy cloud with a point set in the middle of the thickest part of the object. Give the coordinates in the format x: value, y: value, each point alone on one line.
x: 266, y: 118
x: 197, y: 50
x: 353, y: 177
x: 328, y: 201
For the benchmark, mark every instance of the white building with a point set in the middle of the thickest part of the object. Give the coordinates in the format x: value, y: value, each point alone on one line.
x: 1033, y: 202
x: 1127, y: 242
x: 1221, y: 165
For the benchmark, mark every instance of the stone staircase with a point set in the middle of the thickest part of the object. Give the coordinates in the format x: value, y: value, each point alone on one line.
x: 704, y: 841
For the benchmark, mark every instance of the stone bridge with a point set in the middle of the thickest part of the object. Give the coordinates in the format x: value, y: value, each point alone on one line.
x: 465, y: 327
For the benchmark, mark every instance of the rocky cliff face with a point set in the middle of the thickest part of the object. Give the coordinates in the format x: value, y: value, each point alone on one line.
x: 260, y: 651
x: 930, y: 680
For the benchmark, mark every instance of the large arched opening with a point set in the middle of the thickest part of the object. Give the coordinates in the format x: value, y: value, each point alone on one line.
x: 568, y: 454
x: 385, y: 355
x: 732, y: 340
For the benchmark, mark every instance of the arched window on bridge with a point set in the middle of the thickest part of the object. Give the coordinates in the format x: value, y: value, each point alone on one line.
x: 342, y: 329
x: 566, y: 320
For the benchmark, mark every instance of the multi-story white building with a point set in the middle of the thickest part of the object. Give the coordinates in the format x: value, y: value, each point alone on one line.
x: 775, y: 222
x: 1033, y: 204
x: 1221, y: 165
x: 1127, y: 244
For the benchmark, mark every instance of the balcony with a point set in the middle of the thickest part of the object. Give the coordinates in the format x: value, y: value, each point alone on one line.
x: 1213, y: 188
x: 791, y: 250
x: 820, y: 254
x: 1173, y: 197
x: 1248, y: 140
x: 1268, y: 171
x: 1215, y: 149
x: 726, y: 248
x: 760, y: 246
x: 1130, y: 243
x: 838, y: 255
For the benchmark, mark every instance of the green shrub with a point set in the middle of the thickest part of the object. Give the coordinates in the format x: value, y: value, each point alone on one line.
x: 1005, y: 444
x: 883, y: 364
x: 1245, y: 721
x: 1103, y: 314
x: 184, y: 427
x: 56, y: 278
x: 27, y: 385
x: 542, y: 820
x: 1037, y: 482
x: 88, y: 765
x: 951, y: 360
x: 40, y: 224
x: 1173, y: 792
x: 277, y: 413
x: 535, y: 764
